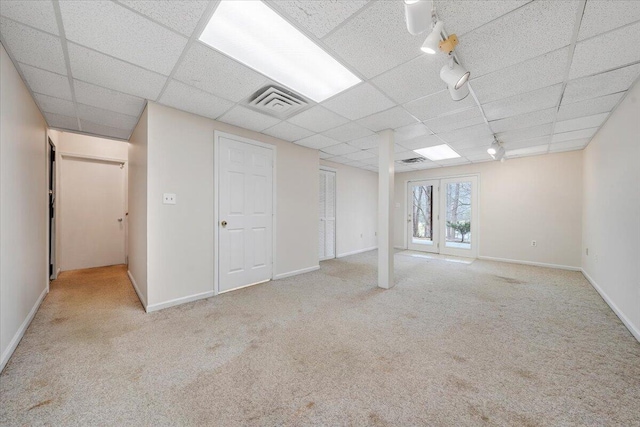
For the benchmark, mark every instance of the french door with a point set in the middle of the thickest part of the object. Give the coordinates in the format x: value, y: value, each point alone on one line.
x: 442, y: 216
x: 327, y: 211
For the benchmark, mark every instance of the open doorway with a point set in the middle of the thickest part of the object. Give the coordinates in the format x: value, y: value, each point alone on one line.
x: 53, y: 273
x: 442, y: 216
x: 327, y: 213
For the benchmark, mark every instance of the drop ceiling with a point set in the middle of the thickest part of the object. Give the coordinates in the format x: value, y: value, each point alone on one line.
x: 546, y: 74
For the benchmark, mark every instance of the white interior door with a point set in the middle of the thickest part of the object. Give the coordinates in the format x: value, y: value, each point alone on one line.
x: 459, y: 213
x: 327, y: 210
x: 423, y: 216
x: 245, y: 214
x: 92, y: 213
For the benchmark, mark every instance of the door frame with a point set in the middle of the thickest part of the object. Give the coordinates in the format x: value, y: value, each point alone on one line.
x: 60, y: 207
x: 405, y: 224
x: 216, y: 202
x: 335, y: 205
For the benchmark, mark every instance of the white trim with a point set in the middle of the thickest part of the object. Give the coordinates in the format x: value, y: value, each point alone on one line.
x: 143, y: 301
x: 23, y: 328
x: 89, y: 157
x: 244, y: 286
x: 359, y: 251
x: 537, y: 264
x: 335, y: 211
x: 178, y: 301
x: 634, y: 331
x: 296, y: 272
x: 328, y: 168
x: 216, y: 217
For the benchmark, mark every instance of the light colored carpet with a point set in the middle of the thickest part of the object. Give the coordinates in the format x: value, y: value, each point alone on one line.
x: 451, y: 344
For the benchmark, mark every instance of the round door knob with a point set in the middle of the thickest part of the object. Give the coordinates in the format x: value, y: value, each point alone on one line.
x: 223, y: 223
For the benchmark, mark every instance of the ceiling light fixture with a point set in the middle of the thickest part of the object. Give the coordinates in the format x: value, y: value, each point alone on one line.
x: 432, y: 42
x: 496, y: 150
x: 454, y: 74
x: 253, y: 34
x: 438, y: 152
x: 418, y: 15
x: 458, y: 94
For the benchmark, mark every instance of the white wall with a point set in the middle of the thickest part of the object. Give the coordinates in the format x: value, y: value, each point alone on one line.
x: 611, y: 211
x: 180, y: 237
x: 531, y: 198
x: 92, y: 146
x: 23, y: 208
x: 137, y: 218
x: 356, y: 209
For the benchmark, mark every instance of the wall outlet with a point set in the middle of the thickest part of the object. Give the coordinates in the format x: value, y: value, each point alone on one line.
x: 534, y: 243
x: 169, y: 199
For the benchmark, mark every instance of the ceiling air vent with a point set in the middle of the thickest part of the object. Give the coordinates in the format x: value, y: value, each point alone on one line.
x: 277, y: 102
x: 414, y: 160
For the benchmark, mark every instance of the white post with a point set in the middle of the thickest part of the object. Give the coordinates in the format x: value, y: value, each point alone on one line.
x: 386, y: 173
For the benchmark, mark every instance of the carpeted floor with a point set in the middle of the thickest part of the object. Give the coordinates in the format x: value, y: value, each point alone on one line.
x: 451, y: 345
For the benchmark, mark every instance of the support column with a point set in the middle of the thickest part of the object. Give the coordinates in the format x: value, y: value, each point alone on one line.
x: 386, y: 173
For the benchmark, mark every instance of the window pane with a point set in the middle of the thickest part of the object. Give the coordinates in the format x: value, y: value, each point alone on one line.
x: 458, y: 211
x: 422, y: 212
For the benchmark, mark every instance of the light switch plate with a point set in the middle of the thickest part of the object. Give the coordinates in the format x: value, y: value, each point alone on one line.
x: 169, y: 199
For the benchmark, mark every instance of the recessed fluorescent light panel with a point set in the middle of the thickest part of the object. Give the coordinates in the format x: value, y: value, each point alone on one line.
x: 438, y: 152
x: 252, y: 33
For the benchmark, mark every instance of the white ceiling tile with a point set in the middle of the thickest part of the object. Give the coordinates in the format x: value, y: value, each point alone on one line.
x: 61, y: 122
x: 404, y: 155
x: 319, y: 18
x: 480, y: 131
x: 33, y: 47
x: 215, y: 73
x: 414, y: 130
x: 472, y: 142
x: 533, y: 142
x: 108, y: 99
x: 340, y: 149
x: 187, y: 98
x: 425, y: 164
x: 324, y: 155
x: 248, y: 119
x: 526, y: 76
x: 600, y: 84
x: 318, y: 119
x: 534, y: 118
x: 94, y: 67
x: 453, y: 162
x: 581, y: 123
x: 340, y: 159
x: 422, y: 141
x: 528, y: 151
x: 605, y: 52
x: 376, y: 40
x: 38, y: 14
x: 463, y: 16
x: 105, y: 117
x: 390, y: 119
x: 288, y: 132
x: 602, y: 104
x: 112, y: 29
x: 371, y: 161
x: 101, y: 130
x: 479, y: 158
x: 182, y: 16
x: 401, y: 167
x: 415, y: 79
x: 469, y: 117
x: 604, y: 15
x: 348, y: 132
x: 524, y: 103
x: 576, y: 144
x: 527, y: 32
x: 396, y: 149
x: 317, y: 142
x: 358, y: 102
x: 437, y: 104
x: 577, y: 134
x: 59, y: 106
x: 526, y: 133
x: 46, y: 82
x: 360, y: 155
x: 366, y: 142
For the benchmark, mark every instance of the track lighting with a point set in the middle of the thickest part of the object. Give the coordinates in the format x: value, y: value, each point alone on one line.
x: 496, y: 151
x: 418, y: 15
x: 458, y: 94
x: 432, y: 42
x: 454, y: 74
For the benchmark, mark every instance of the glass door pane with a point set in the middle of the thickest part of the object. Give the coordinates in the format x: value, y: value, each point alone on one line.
x: 422, y: 215
x: 459, y: 211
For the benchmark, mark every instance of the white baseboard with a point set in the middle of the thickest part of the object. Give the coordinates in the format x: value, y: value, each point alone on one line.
x: 296, y: 272
x: 537, y: 264
x: 142, y: 299
x: 23, y: 328
x: 634, y: 330
x: 359, y: 251
x: 178, y: 301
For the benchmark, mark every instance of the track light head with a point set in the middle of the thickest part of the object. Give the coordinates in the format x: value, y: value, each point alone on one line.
x: 418, y: 15
x: 493, y: 149
x: 496, y: 151
x: 458, y: 94
x: 432, y: 42
x: 454, y: 74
